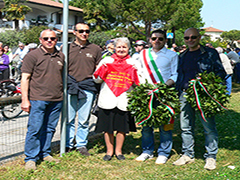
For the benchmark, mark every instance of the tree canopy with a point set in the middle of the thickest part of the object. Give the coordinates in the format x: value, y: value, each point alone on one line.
x: 15, y: 10
x: 143, y: 16
x: 231, y: 36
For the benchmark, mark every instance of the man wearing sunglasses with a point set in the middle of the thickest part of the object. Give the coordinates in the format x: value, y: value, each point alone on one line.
x: 159, y: 66
x: 196, y: 59
x: 83, y: 59
x: 42, y: 95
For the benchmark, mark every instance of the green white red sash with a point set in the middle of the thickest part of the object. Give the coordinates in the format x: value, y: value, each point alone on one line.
x: 170, y: 109
x: 153, y: 71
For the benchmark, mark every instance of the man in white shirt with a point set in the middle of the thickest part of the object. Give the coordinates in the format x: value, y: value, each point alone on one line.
x: 166, y: 62
x: 21, y: 52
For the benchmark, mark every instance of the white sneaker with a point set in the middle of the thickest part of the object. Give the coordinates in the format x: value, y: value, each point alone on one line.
x: 161, y: 159
x: 144, y: 157
x: 210, y: 164
x: 183, y: 160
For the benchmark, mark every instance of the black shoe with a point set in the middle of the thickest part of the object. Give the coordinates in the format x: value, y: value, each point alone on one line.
x: 68, y: 149
x: 120, y: 157
x: 83, y: 151
x: 107, y: 157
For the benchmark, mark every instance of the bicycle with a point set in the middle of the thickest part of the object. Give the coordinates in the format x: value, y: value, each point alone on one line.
x: 10, y: 107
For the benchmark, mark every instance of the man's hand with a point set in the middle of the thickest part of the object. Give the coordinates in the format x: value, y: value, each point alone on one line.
x: 169, y: 82
x: 26, y: 106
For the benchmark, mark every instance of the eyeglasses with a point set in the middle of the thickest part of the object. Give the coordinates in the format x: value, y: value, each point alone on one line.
x: 192, y: 37
x: 159, y: 38
x: 51, y: 38
x: 82, y: 31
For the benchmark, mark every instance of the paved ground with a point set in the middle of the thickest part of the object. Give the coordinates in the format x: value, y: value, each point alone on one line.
x: 13, y: 132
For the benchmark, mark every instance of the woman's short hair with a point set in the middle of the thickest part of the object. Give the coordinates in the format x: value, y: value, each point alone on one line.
x: 122, y: 39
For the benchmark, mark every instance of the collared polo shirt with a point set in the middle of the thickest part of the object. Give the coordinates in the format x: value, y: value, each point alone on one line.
x: 46, y: 70
x: 83, y: 60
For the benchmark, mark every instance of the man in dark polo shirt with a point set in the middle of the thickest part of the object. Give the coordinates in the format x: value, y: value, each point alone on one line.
x: 83, y: 58
x: 42, y: 95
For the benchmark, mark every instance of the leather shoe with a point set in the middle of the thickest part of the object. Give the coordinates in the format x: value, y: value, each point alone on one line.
x: 107, y: 157
x: 120, y: 157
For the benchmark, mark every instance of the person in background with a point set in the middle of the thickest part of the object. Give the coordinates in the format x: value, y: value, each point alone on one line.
x: 196, y: 59
x: 113, y: 115
x: 209, y: 45
x: 21, y: 51
x: 228, y: 68
x: 8, y: 52
x: 83, y: 59
x: 42, y: 95
x: 4, y: 65
x: 109, y: 49
x: 138, y: 46
x: 165, y: 62
x: 235, y: 61
x: 32, y: 46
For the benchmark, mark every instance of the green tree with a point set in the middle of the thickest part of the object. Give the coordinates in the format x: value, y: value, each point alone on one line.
x: 32, y: 34
x: 11, y: 38
x: 100, y: 38
x: 154, y: 14
x: 15, y: 10
x: 231, y: 36
x: 96, y: 13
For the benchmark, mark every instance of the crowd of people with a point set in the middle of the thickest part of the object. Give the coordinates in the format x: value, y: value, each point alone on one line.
x: 108, y: 76
x: 7, y: 57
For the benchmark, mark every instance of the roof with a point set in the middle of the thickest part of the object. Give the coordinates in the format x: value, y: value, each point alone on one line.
x: 53, y: 4
x: 211, y: 29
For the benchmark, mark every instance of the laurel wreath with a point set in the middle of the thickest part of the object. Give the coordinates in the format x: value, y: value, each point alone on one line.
x: 138, y: 104
x: 210, y: 105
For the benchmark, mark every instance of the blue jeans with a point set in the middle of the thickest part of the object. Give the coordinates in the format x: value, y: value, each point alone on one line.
x: 42, y: 122
x: 187, y: 120
x: 83, y: 108
x: 229, y: 84
x: 165, y: 146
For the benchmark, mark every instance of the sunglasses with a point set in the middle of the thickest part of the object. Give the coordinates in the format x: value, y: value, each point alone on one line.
x: 82, y: 31
x: 51, y: 38
x: 192, y: 37
x: 159, y: 38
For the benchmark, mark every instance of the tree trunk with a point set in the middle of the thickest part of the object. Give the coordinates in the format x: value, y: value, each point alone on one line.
x: 16, y: 24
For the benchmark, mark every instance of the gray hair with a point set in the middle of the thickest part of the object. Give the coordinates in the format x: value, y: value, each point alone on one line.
x: 122, y: 39
x: 47, y: 30
x: 219, y: 50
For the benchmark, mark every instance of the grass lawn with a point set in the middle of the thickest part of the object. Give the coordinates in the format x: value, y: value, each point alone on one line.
x: 75, y: 166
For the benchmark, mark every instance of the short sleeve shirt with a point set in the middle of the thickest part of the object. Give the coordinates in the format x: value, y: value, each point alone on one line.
x: 83, y: 60
x: 46, y: 70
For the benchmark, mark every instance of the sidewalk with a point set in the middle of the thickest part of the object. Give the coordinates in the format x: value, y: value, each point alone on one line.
x: 13, y: 133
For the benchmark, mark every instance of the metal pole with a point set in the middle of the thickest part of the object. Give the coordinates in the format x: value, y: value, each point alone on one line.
x: 64, y: 118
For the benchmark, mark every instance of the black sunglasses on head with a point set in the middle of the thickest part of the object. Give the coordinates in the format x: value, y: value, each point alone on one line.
x: 159, y: 38
x: 46, y: 38
x: 192, y: 37
x: 82, y: 31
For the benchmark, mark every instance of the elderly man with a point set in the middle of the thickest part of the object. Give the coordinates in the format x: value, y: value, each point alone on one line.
x: 83, y: 58
x: 196, y: 59
x: 21, y: 51
x: 165, y: 62
x: 42, y: 95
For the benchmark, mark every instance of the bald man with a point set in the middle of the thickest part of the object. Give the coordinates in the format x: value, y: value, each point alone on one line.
x: 196, y: 59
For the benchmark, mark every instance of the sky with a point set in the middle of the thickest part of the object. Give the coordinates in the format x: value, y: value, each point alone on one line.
x: 221, y: 14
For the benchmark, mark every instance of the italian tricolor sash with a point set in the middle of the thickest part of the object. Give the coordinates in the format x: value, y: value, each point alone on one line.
x: 151, y: 67
x: 155, y: 75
